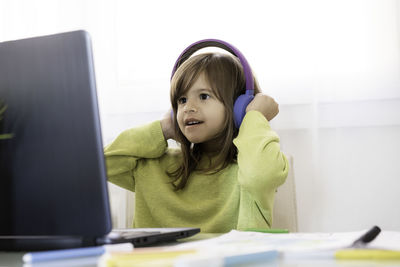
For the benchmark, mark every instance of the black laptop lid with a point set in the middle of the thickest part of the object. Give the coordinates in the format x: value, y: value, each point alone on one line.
x: 52, y: 172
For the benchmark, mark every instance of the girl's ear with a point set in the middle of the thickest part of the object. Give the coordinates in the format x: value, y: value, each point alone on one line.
x: 240, y: 105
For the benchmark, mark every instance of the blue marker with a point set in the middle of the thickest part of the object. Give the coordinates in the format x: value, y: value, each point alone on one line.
x: 205, y: 259
x: 75, y: 252
x: 251, y: 258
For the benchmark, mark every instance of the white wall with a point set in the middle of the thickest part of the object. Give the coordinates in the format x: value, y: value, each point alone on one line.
x: 334, y: 66
x: 345, y: 163
x: 346, y: 169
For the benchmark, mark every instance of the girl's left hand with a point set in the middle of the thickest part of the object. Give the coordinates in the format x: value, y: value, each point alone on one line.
x: 264, y: 104
x: 167, y: 126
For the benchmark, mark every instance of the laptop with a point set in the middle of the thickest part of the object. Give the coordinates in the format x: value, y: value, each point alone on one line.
x: 53, y: 185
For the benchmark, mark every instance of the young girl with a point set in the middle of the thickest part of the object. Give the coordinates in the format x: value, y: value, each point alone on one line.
x: 221, y: 178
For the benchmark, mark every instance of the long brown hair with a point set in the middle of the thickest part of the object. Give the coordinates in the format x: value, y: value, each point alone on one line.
x: 225, y: 75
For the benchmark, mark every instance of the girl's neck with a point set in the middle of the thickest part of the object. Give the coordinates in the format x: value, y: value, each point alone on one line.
x: 210, y: 160
x: 212, y: 147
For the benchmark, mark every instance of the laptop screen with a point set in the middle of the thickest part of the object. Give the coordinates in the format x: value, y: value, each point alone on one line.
x: 52, y: 171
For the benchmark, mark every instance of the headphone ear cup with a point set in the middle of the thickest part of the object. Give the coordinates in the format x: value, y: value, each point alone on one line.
x: 239, y: 108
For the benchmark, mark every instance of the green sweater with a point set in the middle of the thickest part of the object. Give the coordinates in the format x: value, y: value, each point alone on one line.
x: 238, y: 197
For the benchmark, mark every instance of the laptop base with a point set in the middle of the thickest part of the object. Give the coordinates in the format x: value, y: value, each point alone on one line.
x: 38, y: 243
x: 139, y: 237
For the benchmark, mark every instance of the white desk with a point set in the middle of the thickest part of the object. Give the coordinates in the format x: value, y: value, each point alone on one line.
x: 14, y: 259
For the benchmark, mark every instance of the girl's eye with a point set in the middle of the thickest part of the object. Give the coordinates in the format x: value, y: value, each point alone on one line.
x: 182, y: 100
x: 204, y: 96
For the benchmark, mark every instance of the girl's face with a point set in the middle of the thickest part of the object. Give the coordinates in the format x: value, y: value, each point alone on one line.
x: 200, y: 114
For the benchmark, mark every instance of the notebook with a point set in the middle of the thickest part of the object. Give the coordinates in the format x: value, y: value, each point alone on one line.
x: 53, y: 185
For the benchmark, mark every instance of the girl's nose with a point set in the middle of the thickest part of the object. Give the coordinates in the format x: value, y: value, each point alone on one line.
x: 190, y: 107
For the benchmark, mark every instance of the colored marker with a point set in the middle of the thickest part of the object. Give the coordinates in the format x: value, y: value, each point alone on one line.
x: 227, y: 260
x: 367, y: 254
x: 269, y: 231
x: 75, y: 252
x: 251, y: 258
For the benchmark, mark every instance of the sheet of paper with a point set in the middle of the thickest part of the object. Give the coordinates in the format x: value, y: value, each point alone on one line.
x: 213, y: 251
x: 236, y: 241
x: 387, y: 240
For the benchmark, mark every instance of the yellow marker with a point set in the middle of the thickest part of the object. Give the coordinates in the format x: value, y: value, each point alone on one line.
x: 367, y: 254
x: 144, y: 257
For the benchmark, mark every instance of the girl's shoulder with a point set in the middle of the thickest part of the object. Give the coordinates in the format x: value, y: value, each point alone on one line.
x: 173, y: 152
x: 172, y: 155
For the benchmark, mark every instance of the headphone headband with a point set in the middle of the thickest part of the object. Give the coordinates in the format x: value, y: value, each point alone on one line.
x: 190, y: 50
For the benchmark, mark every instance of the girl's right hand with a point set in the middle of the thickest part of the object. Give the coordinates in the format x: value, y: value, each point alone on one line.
x: 264, y: 104
x: 167, y: 126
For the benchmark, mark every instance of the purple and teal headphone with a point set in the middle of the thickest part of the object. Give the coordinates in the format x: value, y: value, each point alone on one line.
x: 239, y: 107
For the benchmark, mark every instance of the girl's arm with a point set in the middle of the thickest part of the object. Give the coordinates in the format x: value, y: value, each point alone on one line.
x: 262, y: 165
x: 125, y: 152
x: 264, y: 104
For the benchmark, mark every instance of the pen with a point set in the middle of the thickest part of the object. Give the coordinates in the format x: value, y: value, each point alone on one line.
x: 270, y: 231
x: 75, y: 252
x: 367, y: 237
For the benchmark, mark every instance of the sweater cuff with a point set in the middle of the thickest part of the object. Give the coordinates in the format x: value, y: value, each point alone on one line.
x: 156, y: 137
x: 146, y: 141
x: 254, y: 117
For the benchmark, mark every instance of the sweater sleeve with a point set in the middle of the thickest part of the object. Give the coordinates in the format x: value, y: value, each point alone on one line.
x: 132, y: 145
x: 262, y: 166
